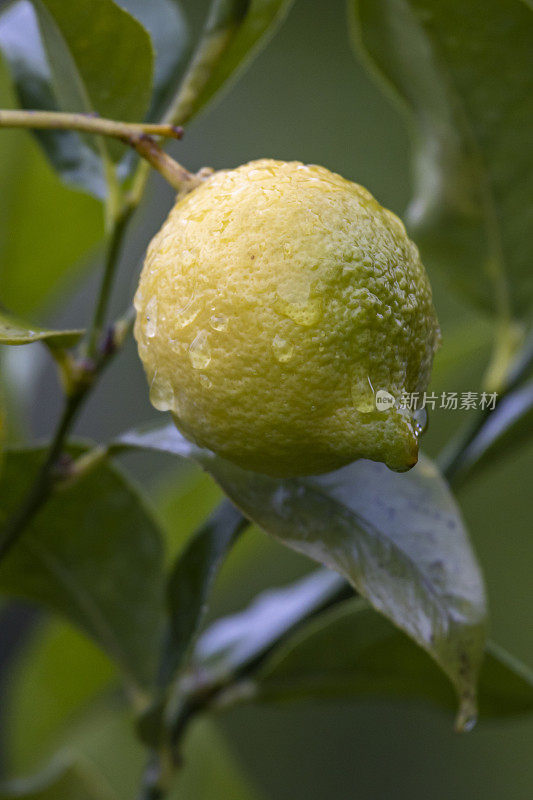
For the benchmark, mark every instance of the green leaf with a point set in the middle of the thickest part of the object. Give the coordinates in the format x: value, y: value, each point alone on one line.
x: 21, y: 46
x: 397, y: 538
x: 93, y: 554
x: 56, y: 677
x: 46, y: 230
x: 166, y: 24
x: 16, y: 331
x: 463, y: 72
x: 232, y: 645
x: 112, y: 54
x: 351, y: 652
x: 101, y: 60
x: 59, y: 780
x: 235, y: 32
x: 191, y: 580
x: 508, y: 428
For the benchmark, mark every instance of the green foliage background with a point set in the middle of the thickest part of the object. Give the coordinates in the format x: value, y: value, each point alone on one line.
x: 306, y: 98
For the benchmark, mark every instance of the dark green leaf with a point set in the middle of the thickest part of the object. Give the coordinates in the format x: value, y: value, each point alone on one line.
x: 234, y: 33
x: 351, y: 652
x: 94, y: 554
x: 463, y: 70
x: 232, y: 644
x: 166, y: 24
x: 509, y: 427
x: 397, y: 538
x: 21, y: 45
x: 191, y: 580
x: 16, y: 331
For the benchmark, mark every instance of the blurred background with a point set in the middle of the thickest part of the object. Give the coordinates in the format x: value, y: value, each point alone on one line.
x: 305, y: 98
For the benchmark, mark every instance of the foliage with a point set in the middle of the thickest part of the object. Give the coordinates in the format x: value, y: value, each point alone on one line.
x: 81, y: 541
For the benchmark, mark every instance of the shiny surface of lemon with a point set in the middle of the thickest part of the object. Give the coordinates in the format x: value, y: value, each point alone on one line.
x: 274, y: 304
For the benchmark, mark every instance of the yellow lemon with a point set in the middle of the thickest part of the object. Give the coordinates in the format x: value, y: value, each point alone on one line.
x: 276, y: 303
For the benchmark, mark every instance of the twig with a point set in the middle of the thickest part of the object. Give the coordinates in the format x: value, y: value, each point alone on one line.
x: 46, y: 478
x: 87, y: 123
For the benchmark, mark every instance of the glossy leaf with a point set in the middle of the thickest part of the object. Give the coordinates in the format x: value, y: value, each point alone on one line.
x: 397, y: 538
x: 93, y: 554
x: 166, y: 24
x: 21, y: 46
x: 463, y: 71
x: 235, y: 32
x: 509, y: 427
x: 351, y: 652
x: 191, y: 580
x: 15, y: 331
x: 232, y: 644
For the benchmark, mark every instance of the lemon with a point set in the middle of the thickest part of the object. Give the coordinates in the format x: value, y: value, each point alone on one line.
x: 275, y: 303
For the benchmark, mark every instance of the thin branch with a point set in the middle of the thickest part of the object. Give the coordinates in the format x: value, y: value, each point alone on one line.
x: 136, y: 135
x: 87, y: 123
x: 46, y: 479
x: 104, y: 295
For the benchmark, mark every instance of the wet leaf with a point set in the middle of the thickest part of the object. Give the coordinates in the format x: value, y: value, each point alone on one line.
x: 397, y: 538
x: 15, y: 331
x: 233, y: 644
x: 350, y: 652
x: 463, y: 73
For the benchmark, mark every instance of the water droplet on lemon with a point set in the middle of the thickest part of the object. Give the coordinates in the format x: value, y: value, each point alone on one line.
x: 150, y: 322
x: 219, y: 322
x: 420, y: 421
x: 187, y: 313
x: 199, y: 351
x: 161, y: 394
x: 363, y: 394
x: 283, y: 350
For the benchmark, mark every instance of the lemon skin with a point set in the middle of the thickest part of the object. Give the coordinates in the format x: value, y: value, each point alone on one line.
x: 273, y: 304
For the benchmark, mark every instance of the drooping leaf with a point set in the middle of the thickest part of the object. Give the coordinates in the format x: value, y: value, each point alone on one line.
x: 351, y: 652
x: 21, y: 46
x: 93, y: 554
x: 191, y: 580
x: 15, y: 331
x: 232, y: 644
x: 463, y: 71
x: 234, y: 33
x: 397, y: 538
x: 166, y: 24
